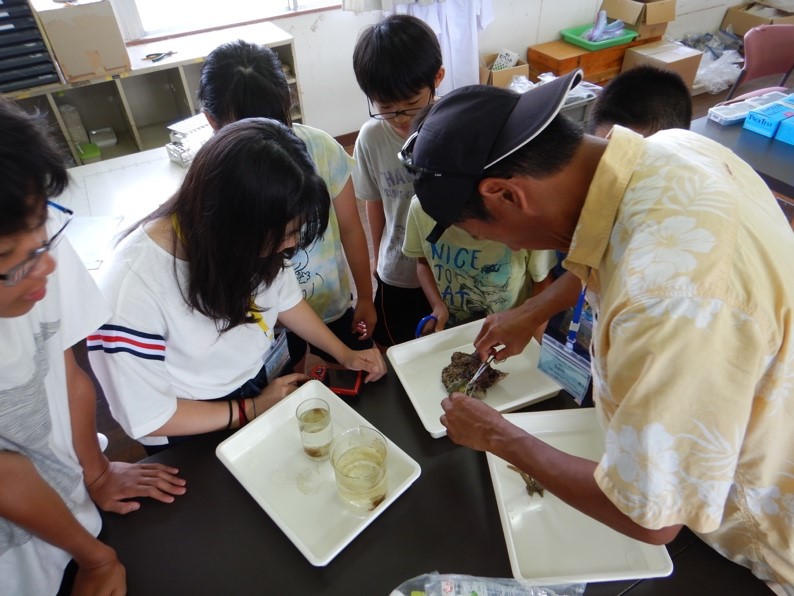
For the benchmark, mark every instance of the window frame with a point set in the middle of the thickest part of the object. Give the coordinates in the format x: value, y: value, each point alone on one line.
x: 132, y: 29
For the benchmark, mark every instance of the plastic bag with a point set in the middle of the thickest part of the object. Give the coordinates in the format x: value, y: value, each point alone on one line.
x: 520, y: 84
x: 713, y: 44
x: 717, y: 75
x: 436, y: 584
x: 584, y: 90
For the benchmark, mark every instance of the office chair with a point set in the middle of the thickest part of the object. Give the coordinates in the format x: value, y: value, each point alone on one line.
x: 768, y: 50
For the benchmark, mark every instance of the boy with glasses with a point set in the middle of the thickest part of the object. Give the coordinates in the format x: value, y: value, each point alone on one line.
x: 51, y: 465
x: 398, y: 67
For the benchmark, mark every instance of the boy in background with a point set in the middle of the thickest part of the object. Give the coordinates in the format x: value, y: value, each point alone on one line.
x: 52, y: 469
x: 466, y: 278
x: 398, y: 66
x: 645, y: 99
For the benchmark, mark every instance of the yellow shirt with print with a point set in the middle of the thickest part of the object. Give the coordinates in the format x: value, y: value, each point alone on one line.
x: 690, y: 269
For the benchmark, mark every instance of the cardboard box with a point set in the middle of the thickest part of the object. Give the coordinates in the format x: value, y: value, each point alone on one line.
x: 503, y: 77
x: 785, y: 131
x: 85, y: 38
x: 766, y: 119
x: 560, y: 57
x: 742, y: 21
x: 667, y: 55
x: 648, y: 19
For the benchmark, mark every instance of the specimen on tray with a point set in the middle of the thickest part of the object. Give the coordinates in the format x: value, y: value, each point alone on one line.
x: 456, y: 375
x: 533, y: 486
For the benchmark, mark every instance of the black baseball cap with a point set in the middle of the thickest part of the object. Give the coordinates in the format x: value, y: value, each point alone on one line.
x: 469, y: 130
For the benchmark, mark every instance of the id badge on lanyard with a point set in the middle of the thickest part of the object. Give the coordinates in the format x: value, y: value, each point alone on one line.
x: 277, y: 357
x: 562, y: 364
x: 278, y: 354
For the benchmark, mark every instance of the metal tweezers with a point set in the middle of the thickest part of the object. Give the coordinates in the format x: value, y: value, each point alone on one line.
x: 483, y: 366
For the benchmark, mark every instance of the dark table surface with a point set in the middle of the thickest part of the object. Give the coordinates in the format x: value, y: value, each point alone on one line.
x: 773, y: 160
x: 217, y: 540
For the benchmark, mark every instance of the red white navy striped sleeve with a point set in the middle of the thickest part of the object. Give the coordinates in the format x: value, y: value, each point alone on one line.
x: 114, y: 339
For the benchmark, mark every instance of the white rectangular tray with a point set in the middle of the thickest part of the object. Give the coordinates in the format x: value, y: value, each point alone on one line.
x: 299, y: 494
x: 418, y: 364
x: 550, y: 542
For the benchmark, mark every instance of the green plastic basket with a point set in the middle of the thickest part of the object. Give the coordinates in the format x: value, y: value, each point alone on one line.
x: 574, y: 35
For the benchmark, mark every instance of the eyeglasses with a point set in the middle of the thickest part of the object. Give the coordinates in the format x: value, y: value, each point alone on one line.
x: 20, y: 271
x: 406, y: 157
x: 392, y: 115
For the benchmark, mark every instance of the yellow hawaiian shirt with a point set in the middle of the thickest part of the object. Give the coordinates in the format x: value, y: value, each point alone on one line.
x: 689, y: 264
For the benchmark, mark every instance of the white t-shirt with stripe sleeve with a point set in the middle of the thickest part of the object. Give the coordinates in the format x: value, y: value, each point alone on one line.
x: 155, y: 348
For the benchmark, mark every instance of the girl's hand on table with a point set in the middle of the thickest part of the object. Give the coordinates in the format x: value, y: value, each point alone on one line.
x: 277, y: 390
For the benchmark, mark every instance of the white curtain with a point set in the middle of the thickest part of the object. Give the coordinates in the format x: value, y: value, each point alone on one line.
x: 384, y: 5
x: 457, y: 24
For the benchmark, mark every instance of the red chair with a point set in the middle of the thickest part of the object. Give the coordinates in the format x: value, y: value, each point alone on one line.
x: 768, y: 50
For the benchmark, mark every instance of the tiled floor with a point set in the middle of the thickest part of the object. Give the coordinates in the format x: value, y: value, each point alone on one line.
x: 123, y: 448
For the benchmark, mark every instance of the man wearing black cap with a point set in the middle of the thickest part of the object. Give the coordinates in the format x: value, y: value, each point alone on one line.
x: 686, y: 260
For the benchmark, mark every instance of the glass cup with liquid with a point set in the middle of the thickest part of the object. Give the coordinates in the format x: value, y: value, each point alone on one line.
x: 316, y: 427
x: 358, y: 457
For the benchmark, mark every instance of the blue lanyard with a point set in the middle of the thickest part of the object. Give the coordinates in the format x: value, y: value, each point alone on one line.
x: 573, y: 329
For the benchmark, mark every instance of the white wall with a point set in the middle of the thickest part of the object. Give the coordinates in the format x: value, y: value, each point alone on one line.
x: 324, y: 44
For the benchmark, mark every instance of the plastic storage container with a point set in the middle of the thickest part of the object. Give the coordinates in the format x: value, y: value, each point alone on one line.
x: 736, y: 112
x: 727, y: 115
x: 579, y: 102
x: 73, y: 123
x: 574, y: 35
x: 89, y: 153
x: 103, y: 137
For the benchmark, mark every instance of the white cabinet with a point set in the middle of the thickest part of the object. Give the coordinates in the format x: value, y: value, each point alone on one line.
x: 140, y: 104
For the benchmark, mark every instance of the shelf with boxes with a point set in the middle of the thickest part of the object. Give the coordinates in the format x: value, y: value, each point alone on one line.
x: 138, y: 99
x: 647, y: 21
x: 560, y: 57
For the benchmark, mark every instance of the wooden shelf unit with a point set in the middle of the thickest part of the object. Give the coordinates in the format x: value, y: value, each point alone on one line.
x: 141, y: 103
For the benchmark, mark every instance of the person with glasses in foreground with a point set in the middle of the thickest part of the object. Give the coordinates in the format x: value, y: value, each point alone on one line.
x: 198, y: 286
x: 686, y: 259
x: 466, y: 278
x: 52, y: 469
x: 644, y: 99
x: 397, y: 63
